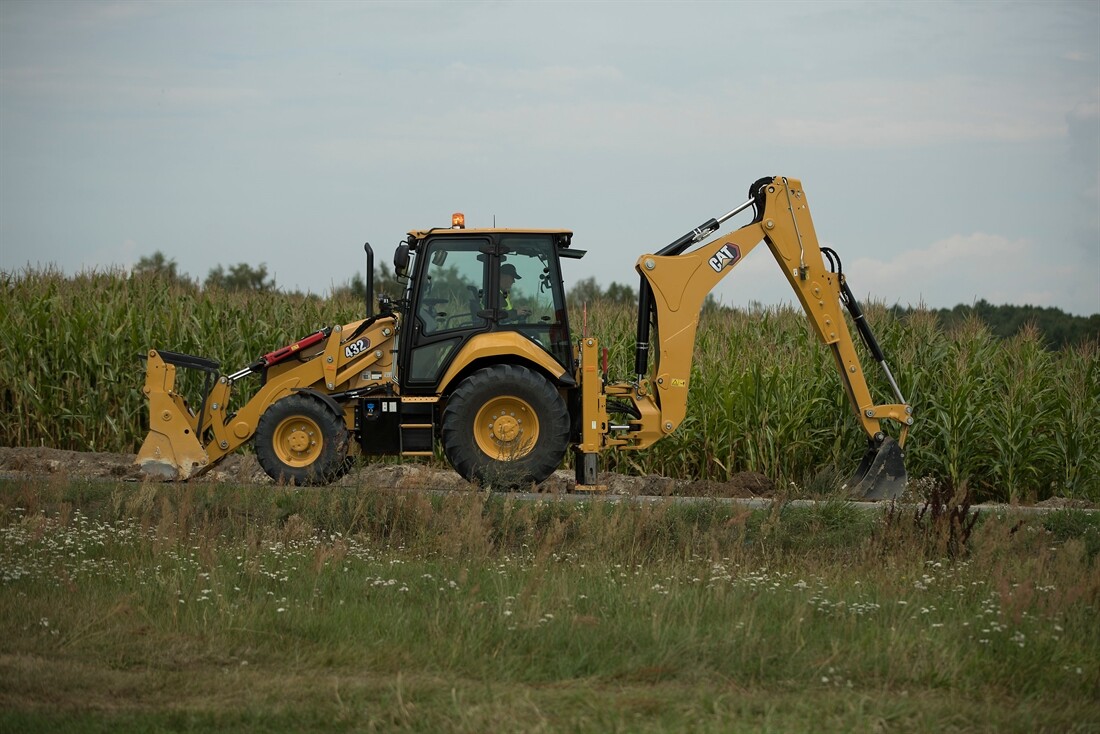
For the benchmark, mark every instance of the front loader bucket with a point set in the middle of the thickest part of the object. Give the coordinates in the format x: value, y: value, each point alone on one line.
x: 171, y: 450
x: 881, y: 475
x: 169, y: 456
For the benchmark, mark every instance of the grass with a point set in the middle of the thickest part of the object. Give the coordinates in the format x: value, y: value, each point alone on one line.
x: 166, y: 608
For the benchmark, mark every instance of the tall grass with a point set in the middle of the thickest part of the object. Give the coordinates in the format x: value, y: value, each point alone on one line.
x: 273, y: 609
x: 1009, y: 419
x: 71, y: 377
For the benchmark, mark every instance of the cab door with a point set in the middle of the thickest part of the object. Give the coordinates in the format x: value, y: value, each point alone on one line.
x: 448, y: 306
x: 530, y: 295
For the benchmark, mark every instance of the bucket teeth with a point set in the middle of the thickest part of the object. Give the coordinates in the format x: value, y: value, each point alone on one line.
x: 881, y: 475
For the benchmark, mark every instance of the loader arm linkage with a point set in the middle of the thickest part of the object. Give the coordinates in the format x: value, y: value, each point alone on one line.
x: 678, y: 283
x: 183, y: 443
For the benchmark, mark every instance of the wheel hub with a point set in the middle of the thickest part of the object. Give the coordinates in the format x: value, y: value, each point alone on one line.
x: 506, y: 428
x: 295, y: 441
x: 298, y: 440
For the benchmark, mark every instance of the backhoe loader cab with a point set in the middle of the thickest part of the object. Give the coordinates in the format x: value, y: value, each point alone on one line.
x: 486, y: 288
x: 477, y: 358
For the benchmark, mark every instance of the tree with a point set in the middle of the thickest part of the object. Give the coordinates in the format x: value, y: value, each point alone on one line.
x: 620, y: 294
x: 711, y: 305
x: 586, y: 290
x: 385, y: 283
x: 156, y: 266
x: 1058, y: 328
x: 241, y: 277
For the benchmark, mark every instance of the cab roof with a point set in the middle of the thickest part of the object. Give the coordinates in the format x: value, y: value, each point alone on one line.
x: 420, y: 234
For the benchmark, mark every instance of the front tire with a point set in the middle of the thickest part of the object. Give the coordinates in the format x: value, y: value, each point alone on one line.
x: 299, y: 440
x: 506, y: 427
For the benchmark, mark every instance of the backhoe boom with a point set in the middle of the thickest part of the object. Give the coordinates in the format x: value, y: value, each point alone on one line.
x: 675, y: 284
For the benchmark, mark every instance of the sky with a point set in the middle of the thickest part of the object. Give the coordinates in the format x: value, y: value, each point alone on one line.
x: 950, y: 151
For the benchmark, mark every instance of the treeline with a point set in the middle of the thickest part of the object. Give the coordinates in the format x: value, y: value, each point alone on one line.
x: 255, y: 278
x: 1056, y: 328
x: 239, y: 277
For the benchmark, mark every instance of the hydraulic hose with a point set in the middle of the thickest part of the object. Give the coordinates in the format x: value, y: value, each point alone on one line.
x: 868, y: 337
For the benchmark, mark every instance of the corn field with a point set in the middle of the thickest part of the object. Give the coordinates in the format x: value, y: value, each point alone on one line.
x: 1009, y: 419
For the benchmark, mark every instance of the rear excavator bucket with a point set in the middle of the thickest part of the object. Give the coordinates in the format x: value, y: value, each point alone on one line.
x: 881, y: 475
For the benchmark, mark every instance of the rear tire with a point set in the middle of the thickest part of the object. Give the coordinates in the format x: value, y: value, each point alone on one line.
x: 505, y: 427
x: 299, y: 440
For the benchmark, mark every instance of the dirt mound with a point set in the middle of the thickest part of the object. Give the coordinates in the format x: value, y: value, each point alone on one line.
x: 45, y: 461
x: 243, y: 469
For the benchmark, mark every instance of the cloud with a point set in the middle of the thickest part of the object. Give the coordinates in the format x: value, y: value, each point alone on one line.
x: 963, y: 268
x: 883, y: 130
x: 1083, y: 172
x: 552, y: 79
x: 874, y: 113
x: 1079, y: 56
x: 603, y: 108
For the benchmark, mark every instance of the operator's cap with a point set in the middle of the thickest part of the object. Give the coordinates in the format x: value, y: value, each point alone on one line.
x: 510, y: 270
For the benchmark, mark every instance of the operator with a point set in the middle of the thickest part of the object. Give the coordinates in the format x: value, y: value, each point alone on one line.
x: 508, y: 277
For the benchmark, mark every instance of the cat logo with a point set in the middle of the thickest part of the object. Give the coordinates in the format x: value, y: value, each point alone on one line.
x: 725, y: 258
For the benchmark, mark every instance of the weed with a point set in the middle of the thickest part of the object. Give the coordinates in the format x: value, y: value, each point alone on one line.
x: 942, y: 525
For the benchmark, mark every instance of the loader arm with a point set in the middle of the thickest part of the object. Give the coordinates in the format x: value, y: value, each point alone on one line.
x: 182, y: 443
x: 679, y: 282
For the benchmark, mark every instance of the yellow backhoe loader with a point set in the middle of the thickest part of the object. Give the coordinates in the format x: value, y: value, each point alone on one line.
x: 478, y: 356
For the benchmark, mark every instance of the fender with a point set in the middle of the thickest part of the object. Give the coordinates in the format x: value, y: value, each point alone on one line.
x: 334, y: 406
x: 492, y: 346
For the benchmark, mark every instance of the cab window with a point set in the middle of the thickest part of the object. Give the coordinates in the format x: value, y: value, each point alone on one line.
x: 529, y: 296
x: 452, y: 294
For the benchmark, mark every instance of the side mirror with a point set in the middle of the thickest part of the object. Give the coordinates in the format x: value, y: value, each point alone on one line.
x: 401, y: 260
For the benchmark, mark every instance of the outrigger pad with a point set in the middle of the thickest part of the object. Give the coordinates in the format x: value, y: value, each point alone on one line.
x: 881, y: 475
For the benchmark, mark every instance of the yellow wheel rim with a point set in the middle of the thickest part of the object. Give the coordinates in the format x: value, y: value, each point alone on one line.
x: 506, y: 428
x: 298, y: 441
